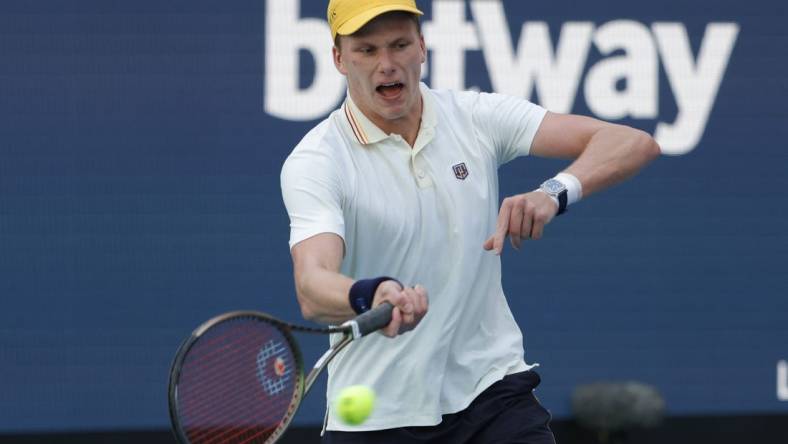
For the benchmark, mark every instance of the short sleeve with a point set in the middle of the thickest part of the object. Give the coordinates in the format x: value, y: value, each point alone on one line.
x: 312, y: 193
x: 509, y: 124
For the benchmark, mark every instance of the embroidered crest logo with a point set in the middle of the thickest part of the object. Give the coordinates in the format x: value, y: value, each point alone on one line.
x: 460, y: 171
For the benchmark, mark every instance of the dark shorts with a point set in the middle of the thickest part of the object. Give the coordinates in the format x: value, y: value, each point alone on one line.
x: 507, y: 412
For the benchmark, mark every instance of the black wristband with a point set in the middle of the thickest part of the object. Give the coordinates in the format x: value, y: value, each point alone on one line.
x: 362, y: 292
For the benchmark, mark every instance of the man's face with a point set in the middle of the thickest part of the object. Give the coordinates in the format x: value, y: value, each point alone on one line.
x: 382, y: 64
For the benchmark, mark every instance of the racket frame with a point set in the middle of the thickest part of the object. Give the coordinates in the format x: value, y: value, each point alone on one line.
x: 353, y: 329
x: 183, y: 351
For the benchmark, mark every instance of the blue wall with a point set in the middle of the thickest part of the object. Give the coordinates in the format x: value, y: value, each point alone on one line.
x: 139, y: 195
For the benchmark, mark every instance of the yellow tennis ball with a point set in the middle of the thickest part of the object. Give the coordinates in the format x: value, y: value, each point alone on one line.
x: 355, y: 403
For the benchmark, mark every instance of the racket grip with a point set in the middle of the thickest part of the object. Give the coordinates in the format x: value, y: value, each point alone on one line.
x: 375, y: 319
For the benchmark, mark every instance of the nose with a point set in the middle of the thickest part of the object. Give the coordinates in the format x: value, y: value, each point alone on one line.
x: 386, y: 64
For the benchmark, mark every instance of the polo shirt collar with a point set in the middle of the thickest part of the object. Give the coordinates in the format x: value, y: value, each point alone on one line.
x: 367, y: 132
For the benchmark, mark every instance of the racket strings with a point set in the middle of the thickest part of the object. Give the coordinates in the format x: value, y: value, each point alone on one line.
x: 227, y: 402
x: 203, y: 366
x: 238, y: 417
x: 237, y: 383
x: 201, y: 408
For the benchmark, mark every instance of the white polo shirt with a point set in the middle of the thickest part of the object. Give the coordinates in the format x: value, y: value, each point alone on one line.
x: 420, y: 215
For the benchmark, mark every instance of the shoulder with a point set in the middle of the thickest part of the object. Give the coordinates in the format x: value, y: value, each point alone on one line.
x: 450, y: 100
x: 325, y: 136
x: 476, y: 105
x: 475, y: 100
x: 323, y: 144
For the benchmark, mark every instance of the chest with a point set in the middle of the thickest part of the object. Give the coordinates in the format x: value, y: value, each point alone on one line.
x: 398, y: 192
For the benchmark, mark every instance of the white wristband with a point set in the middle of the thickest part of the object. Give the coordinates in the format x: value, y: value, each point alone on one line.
x: 574, y: 190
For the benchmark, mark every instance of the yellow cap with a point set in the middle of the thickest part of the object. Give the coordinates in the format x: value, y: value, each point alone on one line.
x: 348, y: 16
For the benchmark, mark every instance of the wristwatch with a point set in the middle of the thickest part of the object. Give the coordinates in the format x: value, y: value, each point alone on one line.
x: 556, y: 189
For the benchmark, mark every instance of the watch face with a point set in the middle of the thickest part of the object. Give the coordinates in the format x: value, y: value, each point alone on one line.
x: 553, y: 186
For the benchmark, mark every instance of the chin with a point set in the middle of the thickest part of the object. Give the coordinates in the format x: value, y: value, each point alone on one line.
x: 396, y: 111
x: 393, y: 114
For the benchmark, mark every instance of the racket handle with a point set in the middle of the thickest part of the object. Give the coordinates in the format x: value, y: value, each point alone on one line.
x: 374, y: 319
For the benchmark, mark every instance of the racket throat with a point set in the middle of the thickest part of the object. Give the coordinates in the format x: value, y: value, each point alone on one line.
x: 352, y: 325
x: 323, y: 361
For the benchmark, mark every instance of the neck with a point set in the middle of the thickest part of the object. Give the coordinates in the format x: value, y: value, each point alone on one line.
x: 406, y: 126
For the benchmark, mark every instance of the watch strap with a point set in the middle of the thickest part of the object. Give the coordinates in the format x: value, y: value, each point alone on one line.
x: 562, y: 202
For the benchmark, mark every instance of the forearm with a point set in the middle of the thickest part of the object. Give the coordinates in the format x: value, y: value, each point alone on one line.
x: 324, y: 293
x: 605, y: 154
x: 323, y: 296
x: 321, y: 289
x: 612, y: 155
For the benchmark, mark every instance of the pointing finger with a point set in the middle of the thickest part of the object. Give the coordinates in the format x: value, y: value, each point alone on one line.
x: 503, y: 225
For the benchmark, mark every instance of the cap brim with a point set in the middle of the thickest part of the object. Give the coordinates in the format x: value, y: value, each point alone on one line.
x: 355, y: 23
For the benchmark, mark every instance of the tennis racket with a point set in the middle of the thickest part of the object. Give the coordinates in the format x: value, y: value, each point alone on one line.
x: 239, y: 378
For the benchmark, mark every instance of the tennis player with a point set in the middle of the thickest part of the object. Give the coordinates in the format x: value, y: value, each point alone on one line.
x: 394, y: 196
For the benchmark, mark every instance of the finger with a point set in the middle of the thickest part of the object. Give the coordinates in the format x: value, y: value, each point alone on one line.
x: 516, y: 223
x: 528, y: 221
x: 422, y: 301
x: 422, y: 292
x: 392, y: 293
x: 392, y: 329
x: 537, y: 229
x: 390, y: 286
x: 539, y: 222
x: 407, y: 296
x: 407, y: 307
x: 503, y: 225
x: 387, y: 288
x: 488, y: 244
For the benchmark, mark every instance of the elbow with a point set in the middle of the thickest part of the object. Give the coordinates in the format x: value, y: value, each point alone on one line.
x: 643, y: 147
x: 308, y: 312
x: 648, y: 148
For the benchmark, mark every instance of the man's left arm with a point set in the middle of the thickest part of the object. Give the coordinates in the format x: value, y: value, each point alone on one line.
x: 605, y: 154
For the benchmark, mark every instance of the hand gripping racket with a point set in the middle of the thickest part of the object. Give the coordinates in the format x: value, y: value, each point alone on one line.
x: 239, y: 378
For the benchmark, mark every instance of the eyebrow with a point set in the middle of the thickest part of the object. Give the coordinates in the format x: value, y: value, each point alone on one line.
x: 362, y: 42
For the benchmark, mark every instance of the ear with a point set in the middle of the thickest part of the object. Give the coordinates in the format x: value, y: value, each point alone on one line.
x: 338, y: 60
x: 423, y: 47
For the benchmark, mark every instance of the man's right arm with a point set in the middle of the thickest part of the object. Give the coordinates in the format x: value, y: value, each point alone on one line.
x: 322, y: 290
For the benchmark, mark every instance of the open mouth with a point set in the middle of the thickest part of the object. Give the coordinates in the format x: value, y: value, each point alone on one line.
x: 390, y: 90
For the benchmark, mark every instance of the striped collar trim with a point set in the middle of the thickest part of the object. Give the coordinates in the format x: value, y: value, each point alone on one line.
x: 354, y: 126
x: 367, y: 132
